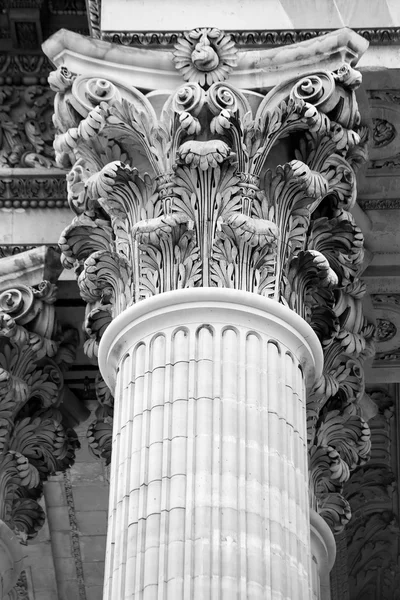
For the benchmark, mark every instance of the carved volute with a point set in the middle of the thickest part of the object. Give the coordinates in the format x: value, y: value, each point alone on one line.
x: 214, y: 186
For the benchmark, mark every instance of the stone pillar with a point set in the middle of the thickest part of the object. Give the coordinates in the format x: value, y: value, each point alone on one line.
x: 206, y: 265
x: 209, y: 486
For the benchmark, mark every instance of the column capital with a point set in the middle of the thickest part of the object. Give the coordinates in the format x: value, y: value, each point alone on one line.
x: 233, y: 180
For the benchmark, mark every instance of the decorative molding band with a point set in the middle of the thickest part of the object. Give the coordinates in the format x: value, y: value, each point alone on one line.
x: 387, y: 313
x: 386, y: 96
x: 33, y: 189
x: 74, y: 532
x: 378, y: 36
x: 25, y: 69
x: 381, y: 204
x: 71, y: 7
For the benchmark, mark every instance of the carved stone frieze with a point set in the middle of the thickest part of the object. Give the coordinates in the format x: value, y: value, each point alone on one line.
x: 34, y: 440
x: 383, y: 132
x: 33, y: 190
x: 379, y: 203
x: 390, y: 163
x: 212, y: 186
x: 387, y: 96
x: 387, y: 311
x: 26, y: 131
x: 381, y: 36
x: 24, y: 69
x: 385, y: 330
x: 67, y: 7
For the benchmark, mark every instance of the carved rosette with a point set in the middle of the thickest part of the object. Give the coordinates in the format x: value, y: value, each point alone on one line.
x: 205, y: 56
x: 191, y: 196
x: 34, y: 441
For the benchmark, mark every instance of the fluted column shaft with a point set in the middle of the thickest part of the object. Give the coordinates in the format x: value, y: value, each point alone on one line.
x: 209, y: 488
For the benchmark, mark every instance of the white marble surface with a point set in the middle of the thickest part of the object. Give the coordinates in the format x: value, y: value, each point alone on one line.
x: 209, y: 489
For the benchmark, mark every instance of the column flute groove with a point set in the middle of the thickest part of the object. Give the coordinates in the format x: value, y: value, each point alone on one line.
x: 204, y: 519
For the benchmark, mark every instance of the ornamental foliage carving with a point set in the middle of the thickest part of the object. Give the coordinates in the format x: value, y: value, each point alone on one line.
x: 26, y: 130
x: 216, y: 186
x: 373, y: 535
x: 34, y: 440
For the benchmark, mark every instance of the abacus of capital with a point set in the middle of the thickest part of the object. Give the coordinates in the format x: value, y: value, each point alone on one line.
x: 220, y: 263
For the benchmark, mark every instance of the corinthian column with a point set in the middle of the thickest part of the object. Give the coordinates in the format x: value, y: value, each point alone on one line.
x: 219, y: 287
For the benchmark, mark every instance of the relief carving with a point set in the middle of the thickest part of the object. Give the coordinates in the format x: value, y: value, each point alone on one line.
x: 373, y: 534
x: 26, y: 130
x: 35, y: 442
x: 193, y: 197
x: 387, y: 311
x: 383, y: 132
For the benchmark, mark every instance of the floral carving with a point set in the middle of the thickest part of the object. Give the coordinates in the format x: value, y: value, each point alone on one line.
x: 26, y: 130
x: 205, y: 56
x: 34, y: 441
x: 385, y: 330
x: 383, y: 133
x: 193, y: 198
x: 372, y: 535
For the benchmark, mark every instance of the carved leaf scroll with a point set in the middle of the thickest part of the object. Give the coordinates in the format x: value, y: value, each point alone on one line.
x: 34, y: 440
